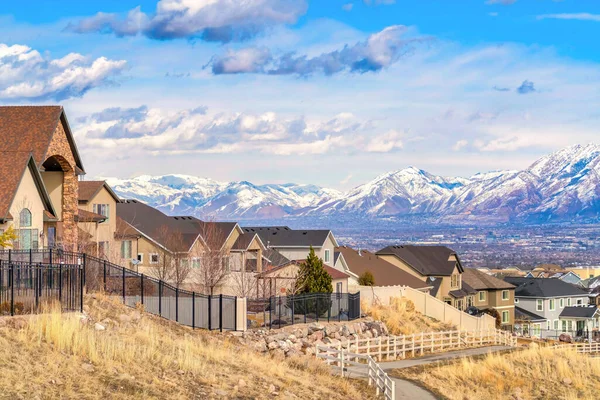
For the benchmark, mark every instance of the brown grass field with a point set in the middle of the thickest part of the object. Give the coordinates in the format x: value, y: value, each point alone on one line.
x: 54, y: 355
x: 401, y: 318
x: 533, y: 373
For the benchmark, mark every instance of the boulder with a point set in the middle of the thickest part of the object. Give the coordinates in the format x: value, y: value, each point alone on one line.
x: 99, y: 327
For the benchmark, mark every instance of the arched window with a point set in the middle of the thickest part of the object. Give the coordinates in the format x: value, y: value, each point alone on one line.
x: 25, y: 218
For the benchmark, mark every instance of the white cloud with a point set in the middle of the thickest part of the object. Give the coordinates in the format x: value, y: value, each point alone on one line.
x: 347, y: 7
x: 572, y: 16
x: 460, y: 145
x: 385, y: 143
x: 26, y: 75
x: 211, y: 20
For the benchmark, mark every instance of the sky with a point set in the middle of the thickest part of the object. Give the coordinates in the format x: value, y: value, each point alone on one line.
x: 326, y: 92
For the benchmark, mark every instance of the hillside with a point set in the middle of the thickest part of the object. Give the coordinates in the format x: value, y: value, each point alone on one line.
x: 534, y: 373
x: 141, y: 356
x: 561, y: 186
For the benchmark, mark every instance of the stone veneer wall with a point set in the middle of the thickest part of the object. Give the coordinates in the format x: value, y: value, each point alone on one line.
x: 59, y: 147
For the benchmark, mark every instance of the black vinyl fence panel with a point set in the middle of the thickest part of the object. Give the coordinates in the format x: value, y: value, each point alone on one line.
x: 132, y: 288
x: 279, y: 311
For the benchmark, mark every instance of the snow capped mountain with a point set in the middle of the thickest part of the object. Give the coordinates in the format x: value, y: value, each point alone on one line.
x: 561, y: 186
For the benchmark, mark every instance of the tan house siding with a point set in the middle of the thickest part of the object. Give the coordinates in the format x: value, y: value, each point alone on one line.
x: 53, y: 181
x: 27, y: 196
x: 103, y: 231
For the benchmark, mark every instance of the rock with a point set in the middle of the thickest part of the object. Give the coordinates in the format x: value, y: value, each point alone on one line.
x: 221, y: 392
x: 283, y: 345
x: 136, y: 315
x: 273, y: 346
x: 241, y: 383
x: 567, y: 381
x: 99, y: 327
x: 315, y: 326
x: 181, y: 372
x: 260, y: 346
x: 278, y: 354
x: 318, y: 335
x: 272, y: 388
x: 566, y: 338
x: 292, y: 338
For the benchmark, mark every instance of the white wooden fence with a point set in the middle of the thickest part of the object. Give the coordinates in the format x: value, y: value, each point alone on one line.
x: 582, y: 348
x: 394, y: 347
x: 342, y: 359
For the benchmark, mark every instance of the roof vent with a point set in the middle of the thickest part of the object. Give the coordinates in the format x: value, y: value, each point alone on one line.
x: 304, y: 233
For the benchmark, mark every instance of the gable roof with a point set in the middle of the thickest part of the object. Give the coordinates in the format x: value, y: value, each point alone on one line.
x: 334, y: 273
x: 30, y: 129
x: 245, y: 240
x: 13, y: 166
x: 524, y: 315
x: 544, y: 287
x: 88, y: 216
x: 125, y: 231
x: 275, y: 258
x: 481, y: 281
x: 89, y: 189
x: 426, y: 260
x: 579, y: 312
x: 283, y: 236
x: 385, y: 274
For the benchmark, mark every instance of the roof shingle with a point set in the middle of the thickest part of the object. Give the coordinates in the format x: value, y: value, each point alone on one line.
x: 426, y: 260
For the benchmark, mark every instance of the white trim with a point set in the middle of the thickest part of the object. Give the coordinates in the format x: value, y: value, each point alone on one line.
x: 157, y: 259
x: 508, y: 296
x: 501, y: 307
x: 536, y: 305
x: 140, y: 259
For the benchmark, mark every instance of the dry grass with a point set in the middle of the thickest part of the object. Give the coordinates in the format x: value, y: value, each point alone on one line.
x: 55, y: 355
x: 534, y: 373
x: 401, y: 318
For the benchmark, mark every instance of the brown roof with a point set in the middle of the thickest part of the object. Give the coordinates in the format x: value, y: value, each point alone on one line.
x: 124, y: 230
x: 481, y: 281
x: 245, y: 240
x: 30, y: 129
x: 426, y: 260
x: 88, y: 189
x: 13, y: 165
x: 383, y: 272
x: 88, y: 216
x: 335, y: 273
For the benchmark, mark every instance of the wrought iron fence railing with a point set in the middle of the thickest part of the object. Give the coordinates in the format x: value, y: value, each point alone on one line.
x: 157, y: 297
x: 278, y: 311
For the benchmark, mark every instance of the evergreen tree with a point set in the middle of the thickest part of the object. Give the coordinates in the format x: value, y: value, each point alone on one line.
x: 312, y: 277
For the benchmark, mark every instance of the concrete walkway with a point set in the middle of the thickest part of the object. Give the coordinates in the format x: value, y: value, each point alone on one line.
x: 406, y: 390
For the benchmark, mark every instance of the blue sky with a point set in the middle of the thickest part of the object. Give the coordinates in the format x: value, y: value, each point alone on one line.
x: 327, y: 92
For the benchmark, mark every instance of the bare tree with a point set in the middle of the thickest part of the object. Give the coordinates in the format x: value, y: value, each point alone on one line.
x: 212, y: 258
x: 244, y: 282
x: 173, y: 259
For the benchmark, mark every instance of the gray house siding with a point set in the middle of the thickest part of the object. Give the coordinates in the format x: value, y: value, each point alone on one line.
x: 553, y: 323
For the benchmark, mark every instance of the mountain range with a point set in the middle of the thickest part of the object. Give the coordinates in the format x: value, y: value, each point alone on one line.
x: 560, y: 187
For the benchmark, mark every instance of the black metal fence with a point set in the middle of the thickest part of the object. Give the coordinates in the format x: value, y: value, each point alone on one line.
x: 156, y: 296
x: 25, y: 288
x: 278, y: 311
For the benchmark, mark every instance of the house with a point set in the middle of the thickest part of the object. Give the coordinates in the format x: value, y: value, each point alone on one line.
x: 569, y: 277
x: 357, y: 262
x: 24, y: 203
x: 281, y: 280
x: 97, y: 219
x: 295, y: 244
x: 149, y: 239
x: 585, y: 272
x: 41, y: 134
x: 437, y: 266
x: 550, y: 300
x: 492, y: 293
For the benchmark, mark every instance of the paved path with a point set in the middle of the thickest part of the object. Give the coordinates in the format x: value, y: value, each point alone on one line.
x: 406, y: 390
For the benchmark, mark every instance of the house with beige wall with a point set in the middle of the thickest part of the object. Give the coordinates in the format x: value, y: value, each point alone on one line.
x: 42, y: 133
x: 151, y: 241
x: 295, y: 244
x: 97, y: 219
x: 25, y: 206
x: 492, y: 293
x: 437, y: 266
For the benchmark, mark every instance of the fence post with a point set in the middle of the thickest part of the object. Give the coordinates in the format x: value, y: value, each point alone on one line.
x: 328, y: 309
x: 210, y: 312
x: 142, y: 288
x: 193, y: 310
x: 12, y: 289
x: 60, y: 283
x: 235, y: 314
x: 279, y: 313
x: 84, y: 271
x: 81, y: 284
x: 339, y: 302
x: 50, y: 258
x: 160, y: 298
x: 305, y: 310
x: 35, y: 286
x: 293, y: 318
x: 220, y: 313
x: 105, y: 275
x: 123, y: 284
x: 176, y: 304
x: 30, y: 256
x: 317, y: 307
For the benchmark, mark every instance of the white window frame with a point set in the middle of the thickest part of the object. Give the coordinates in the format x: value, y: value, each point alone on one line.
x: 551, y: 304
x: 507, y: 319
x: 569, y: 302
x: 516, y: 301
x: 140, y: 257
x: 123, y: 255
x: 556, y: 325
x: 327, y: 255
x: 152, y: 256
x: 507, y: 295
x: 195, y: 262
x: 561, y: 303
x: 484, y: 295
x: 579, y: 302
x: 539, y: 304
